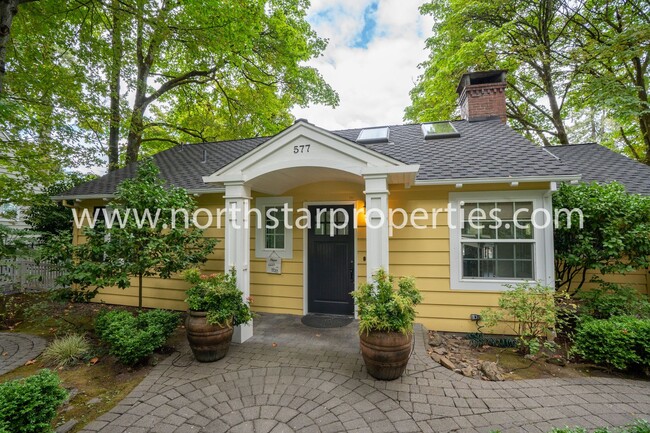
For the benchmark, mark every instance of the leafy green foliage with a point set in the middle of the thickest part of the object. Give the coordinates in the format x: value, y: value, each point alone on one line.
x: 578, y: 71
x: 218, y: 295
x: 609, y: 300
x: 47, y: 217
x: 618, y: 342
x: 611, y: 47
x: 529, y: 310
x: 68, y: 350
x: 383, y: 308
x: 141, y: 247
x: 14, y: 243
x: 197, y: 71
x: 131, y: 339
x: 525, y: 38
x: 614, y: 238
x: 29, y: 405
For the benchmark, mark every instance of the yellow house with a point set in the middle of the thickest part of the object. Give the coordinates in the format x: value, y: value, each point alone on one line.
x: 398, y: 197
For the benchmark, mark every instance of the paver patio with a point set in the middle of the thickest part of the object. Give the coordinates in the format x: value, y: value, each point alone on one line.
x: 292, y: 378
x: 16, y: 349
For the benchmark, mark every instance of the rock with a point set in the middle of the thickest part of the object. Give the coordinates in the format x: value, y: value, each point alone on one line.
x: 436, y: 357
x: 65, y: 428
x: 447, y: 363
x: 435, y: 339
x: 95, y: 400
x: 440, y: 350
x: 491, y: 371
x: 557, y: 360
x: 72, y: 393
x: 467, y: 371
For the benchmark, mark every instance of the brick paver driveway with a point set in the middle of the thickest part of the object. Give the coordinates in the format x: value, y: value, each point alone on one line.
x: 16, y: 349
x: 293, y: 378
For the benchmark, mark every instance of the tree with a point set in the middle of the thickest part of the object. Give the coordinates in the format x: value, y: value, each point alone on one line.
x: 123, y: 76
x: 48, y: 218
x: 8, y: 10
x: 47, y: 107
x: 615, y: 237
x: 613, y: 50
x: 143, y: 245
x: 529, y: 39
x: 225, y: 49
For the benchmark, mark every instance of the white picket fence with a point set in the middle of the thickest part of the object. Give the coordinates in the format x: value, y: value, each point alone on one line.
x: 26, y: 275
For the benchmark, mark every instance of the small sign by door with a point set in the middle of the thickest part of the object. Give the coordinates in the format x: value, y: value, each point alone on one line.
x: 274, y: 264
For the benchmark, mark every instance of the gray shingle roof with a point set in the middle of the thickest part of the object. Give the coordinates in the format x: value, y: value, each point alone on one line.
x: 600, y: 164
x: 488, y: 149
x: 483, y: 150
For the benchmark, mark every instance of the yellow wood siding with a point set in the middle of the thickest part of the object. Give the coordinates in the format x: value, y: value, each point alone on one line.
x: 423, y: 254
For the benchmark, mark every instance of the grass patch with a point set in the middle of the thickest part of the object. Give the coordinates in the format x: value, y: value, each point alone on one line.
x: 67, y: 351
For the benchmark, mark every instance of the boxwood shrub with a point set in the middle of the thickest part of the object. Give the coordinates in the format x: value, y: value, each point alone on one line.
x: 29, y: 405
x: 618, y: 342
x: 131, y: 338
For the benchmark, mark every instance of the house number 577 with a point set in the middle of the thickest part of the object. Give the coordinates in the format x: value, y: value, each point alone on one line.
x: 302, y: 148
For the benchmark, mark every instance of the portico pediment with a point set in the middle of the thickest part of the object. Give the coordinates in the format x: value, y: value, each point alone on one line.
x: 305, y: 152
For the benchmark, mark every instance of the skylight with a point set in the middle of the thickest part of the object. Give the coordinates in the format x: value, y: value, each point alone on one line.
x: 439, y: 130
x: 373, y: 135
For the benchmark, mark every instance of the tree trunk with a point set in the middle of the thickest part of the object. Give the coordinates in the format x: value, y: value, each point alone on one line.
x: 556, y: 114
x: 114, y: 88
x: 644, y: 116
x: 8, y: 10
x: 135, y: 134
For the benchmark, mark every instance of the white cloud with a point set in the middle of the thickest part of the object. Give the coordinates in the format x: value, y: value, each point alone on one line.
x: 373, y: 82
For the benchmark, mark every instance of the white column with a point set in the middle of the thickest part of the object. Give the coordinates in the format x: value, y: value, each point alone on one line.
x: 376, y: 223
x: 237, y: 245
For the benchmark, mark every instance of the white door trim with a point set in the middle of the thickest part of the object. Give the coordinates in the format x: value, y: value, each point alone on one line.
x: 305, y: 252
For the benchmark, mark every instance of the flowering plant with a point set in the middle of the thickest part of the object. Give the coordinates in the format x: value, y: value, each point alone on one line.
x: 219, y: 297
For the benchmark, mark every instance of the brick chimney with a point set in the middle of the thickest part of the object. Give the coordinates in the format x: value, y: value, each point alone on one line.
x: 481, y: 95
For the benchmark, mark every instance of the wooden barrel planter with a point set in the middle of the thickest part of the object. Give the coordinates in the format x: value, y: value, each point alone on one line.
x: 208, y: 342
x: 386, y: 353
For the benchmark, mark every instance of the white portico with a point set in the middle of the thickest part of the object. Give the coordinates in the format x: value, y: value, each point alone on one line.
x: 305, y: 154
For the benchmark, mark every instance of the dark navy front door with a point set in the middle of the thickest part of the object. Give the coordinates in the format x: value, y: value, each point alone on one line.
x: 330, y: 260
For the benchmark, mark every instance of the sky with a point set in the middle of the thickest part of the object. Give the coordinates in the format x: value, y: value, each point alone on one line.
x: 372, y: 59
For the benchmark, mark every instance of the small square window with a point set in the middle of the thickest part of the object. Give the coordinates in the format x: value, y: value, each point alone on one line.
x: 272, y: 237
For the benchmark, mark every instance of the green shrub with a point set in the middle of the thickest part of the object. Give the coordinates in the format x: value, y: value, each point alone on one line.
x: 382, y: 308
x: 29, y: 405
x: 611, y: 299
x: 218, y: 295
x: 618, y: 342
x: 529, y: 310
x: 67, y: 350
x: 131, y: 339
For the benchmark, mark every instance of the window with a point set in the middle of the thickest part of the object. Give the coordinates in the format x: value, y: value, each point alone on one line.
x: 324, y: 225
x: 374, y: 135
x: 492, y: 245
x: 274, y: 226
x: 271, y: 235
x: 439, y: 130
x: 499, y: 238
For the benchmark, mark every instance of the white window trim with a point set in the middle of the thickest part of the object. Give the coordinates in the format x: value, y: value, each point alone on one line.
x: 261, y: 252
x: 543, y: 237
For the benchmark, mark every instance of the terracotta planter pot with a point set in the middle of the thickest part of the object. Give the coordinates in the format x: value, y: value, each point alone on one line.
x: 386, y: 353
x: 208, y: 342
